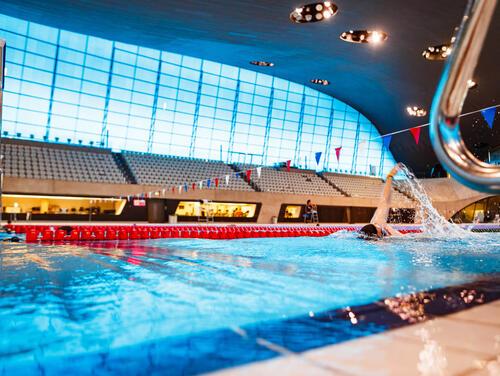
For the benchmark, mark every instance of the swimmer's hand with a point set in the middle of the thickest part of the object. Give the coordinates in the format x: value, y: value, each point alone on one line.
x: 394, y: 170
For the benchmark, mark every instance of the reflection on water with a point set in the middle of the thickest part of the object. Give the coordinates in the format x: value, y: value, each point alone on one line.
x: 168, y: 296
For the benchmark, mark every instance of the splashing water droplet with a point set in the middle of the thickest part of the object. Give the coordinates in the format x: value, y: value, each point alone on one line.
x: 432, y: 222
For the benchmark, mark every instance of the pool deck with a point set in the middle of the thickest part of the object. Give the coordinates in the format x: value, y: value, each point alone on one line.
x: 463, y: 343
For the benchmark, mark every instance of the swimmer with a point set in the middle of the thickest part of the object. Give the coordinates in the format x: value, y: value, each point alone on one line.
x: 378, y: 227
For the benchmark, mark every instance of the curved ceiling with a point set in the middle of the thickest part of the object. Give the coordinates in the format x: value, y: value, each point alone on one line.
x: 380, y: 81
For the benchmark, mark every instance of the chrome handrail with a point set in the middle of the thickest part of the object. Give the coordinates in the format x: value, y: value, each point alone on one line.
x: 450, y: 96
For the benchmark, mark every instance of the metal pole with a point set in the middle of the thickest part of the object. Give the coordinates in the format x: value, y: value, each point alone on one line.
x: 444, y: 130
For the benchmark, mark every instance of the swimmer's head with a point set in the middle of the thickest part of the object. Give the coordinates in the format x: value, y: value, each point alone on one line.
x: 370, y: 232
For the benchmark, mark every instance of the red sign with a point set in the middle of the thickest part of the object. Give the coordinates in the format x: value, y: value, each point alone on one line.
x: 138, y: 202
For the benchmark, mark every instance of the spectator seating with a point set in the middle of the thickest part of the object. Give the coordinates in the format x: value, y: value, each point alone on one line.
x: 34, y: 160
x: 364, y: 186
x: 156, y: 169
x: 295, y: 181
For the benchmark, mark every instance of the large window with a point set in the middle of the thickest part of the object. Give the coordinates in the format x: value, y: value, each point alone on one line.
x: 67, y: 87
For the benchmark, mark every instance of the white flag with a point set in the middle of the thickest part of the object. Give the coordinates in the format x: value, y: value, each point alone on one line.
x: 201, y: 184
x: 361, y: 146
x: 180, y: 188
x: 227, y: 179
x: 163, y: 191
x: 259, y: 170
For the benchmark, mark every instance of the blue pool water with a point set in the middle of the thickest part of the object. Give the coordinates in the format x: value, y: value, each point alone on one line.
x: 73, y: 308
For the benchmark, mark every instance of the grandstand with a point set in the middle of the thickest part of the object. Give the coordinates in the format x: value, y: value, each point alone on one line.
x: 170, y: 171
x: 296, y: 181
x: 364, y: 186
x: 35, y: 160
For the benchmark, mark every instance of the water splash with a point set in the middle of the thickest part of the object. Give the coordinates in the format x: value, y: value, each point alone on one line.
x: 432, y: 222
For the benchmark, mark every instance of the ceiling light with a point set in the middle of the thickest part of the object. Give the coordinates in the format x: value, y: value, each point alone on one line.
x: 364, y: 36
x: 314, y: 12
x: 320, y: 81
x: 416, y: 111
x: 471, y: 84
x: 262, y: 63
x: 437, y: 53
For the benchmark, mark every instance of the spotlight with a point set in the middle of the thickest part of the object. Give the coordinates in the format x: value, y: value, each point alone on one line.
x: 437, y: 53
x: 314, y: 12
x: 416, y: 111
x: 364, y: 36
x: 471, y: 84
x: 376, y: 37
x: 320, y: 81
x: 262, y: 63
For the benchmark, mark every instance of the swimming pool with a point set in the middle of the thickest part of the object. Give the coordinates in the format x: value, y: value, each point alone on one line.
x: 188, y: 306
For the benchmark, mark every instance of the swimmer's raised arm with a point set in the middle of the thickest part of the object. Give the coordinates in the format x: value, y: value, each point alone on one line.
x: 380, y: 215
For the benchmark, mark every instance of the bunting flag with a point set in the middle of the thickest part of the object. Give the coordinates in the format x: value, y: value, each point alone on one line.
x: 259, y: 171
x: 387, y: 140
x: 318, y: 157
x: 227, y: 179
x: 180, y: 188
x: 249, y: 173
x: 288, y: 165
x: 201, y: 184
x: 489, y: 116
x: 337, y: 153
x: 163, y: 191
x: 415, y: 132
x: 173, y: 189
x: 208, y: 183
x: 216, y: 182
x: 237, y: 175
x: 194, y: 186
x: 185, y: 187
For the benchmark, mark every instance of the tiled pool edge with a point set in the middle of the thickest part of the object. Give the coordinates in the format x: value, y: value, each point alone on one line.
x: 225, y: 348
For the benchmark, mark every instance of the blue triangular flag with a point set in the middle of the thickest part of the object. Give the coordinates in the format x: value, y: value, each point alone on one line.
x: 489, y: 116
x: 208, y: 183
x: 387, y: 141
x: 318, y: 157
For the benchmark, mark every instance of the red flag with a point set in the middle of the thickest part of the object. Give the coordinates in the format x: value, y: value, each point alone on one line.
x: 288, y: 165
x: 216, y: 182
x: 194, y: 186
x: 337, y: 153
x: 416, y: 134
x: 249, y: 173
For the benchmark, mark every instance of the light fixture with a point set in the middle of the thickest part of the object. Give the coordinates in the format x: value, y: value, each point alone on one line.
x: 416, y: 111
x: 364, y: 36
x: 437, y: 53
x: 471, y: 84
x: 262, y: 63
x: 320, y: 81
x: 314, y: 12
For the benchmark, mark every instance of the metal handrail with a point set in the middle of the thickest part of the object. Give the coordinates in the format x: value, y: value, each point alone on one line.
x: 450, y: 96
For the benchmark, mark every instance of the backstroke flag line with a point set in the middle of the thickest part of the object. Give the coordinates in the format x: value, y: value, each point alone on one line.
x: 387, y: 141
x: 415, y: 132
x: 337, y: 153
x: 318, y: 157
x: 489, y: 116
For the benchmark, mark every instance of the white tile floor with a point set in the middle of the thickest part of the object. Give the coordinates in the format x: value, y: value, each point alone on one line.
x: 462, y: 344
